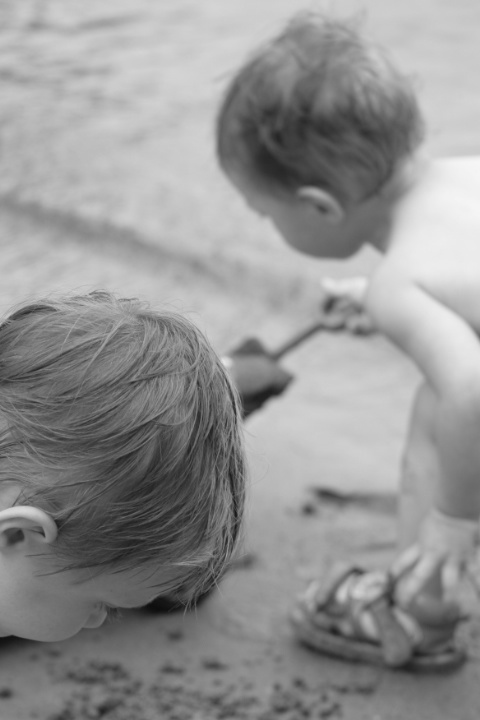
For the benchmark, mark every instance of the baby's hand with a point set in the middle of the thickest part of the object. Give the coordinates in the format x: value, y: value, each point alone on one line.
x: 346, y: 297
x: 445, y: 549
x: 352, y: 289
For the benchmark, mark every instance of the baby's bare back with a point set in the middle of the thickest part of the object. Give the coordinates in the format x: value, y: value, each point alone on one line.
x: 436, y: 239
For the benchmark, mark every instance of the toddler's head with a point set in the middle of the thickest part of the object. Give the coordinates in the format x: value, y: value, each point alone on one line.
x: 318, y: 106
x: 122, y: 471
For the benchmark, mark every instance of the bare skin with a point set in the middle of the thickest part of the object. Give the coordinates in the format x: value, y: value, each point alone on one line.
x: 40, y: 603
x: 425, y: 297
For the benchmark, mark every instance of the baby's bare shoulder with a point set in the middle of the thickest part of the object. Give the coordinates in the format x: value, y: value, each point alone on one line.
x: 435, y: 242
x: 438, y: 221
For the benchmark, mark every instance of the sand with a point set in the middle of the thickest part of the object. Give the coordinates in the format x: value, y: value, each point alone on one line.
x: 109, y: 180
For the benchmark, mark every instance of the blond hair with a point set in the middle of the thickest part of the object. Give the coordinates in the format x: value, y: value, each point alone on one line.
x: 122, y: 423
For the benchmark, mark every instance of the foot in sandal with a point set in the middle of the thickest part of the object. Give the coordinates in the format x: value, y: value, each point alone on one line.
x: 351, y: 614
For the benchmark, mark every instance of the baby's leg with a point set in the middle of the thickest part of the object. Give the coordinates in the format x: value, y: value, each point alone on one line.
x: 338, y: 611
x: 419, y: 474
x: 419, y: 468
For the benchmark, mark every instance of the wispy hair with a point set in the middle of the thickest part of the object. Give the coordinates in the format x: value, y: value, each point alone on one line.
x: 122, y: 423
x: 318, y: 105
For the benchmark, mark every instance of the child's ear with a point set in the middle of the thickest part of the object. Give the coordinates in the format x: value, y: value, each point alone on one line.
x: 323, y: 202
x: 21, y: 522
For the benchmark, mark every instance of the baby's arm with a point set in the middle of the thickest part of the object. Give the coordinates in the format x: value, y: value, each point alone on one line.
x: 447, y: 351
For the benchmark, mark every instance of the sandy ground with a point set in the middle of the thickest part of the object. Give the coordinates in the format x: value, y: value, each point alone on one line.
x: 109, y: 180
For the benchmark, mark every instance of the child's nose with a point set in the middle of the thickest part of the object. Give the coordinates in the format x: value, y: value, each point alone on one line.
x: 96, y: 618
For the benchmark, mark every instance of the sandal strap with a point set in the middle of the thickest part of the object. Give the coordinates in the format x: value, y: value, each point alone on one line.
x: 320, y: 595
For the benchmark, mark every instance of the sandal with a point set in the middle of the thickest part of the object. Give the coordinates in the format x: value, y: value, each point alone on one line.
x: 352, y: 616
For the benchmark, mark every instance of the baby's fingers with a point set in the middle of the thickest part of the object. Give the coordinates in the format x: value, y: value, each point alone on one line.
x: 451, y: 576
x: 405, y: 561
x: 412, y: 584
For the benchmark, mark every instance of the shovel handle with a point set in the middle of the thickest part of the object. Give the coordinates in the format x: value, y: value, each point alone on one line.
x: 328, y: 321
